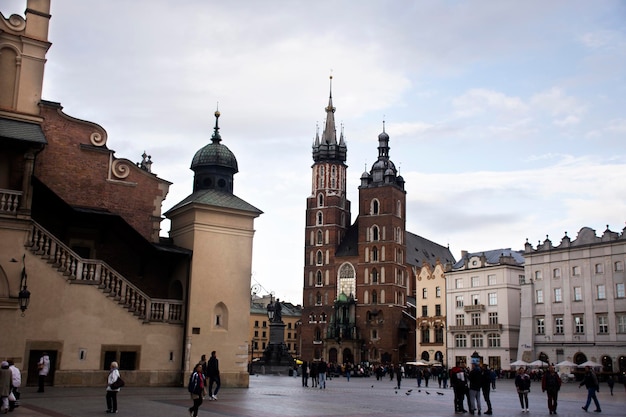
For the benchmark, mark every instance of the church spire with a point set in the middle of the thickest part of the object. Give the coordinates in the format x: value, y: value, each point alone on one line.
x: 330, y: 132
x: 327, y: 148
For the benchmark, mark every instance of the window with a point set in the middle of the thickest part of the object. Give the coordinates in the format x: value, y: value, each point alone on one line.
x: 318, y: 279
x: 475, y: 299
x: 493, y: 299
x: 491, y: 280
x: 256, y: 323
x: 558, y: 325
x: 475, y: 282
x: 320, y: 200
x: 601, y: 289
x: 438, y: 292
x: 603, y: 324
x: 541, y: 325
x: 599, y: 268
x: 558, y: 296
x: 576, y: 270
x: 424, y: 311
x: 320, y: 218
x: 425, y: 335
x: 375, y: 206
x: 621, y: 323
x: 493, y: 339
x: 459, y: 301
x: 458, y: 283
x: 438, y: 334
x: 538, y: 275
x: 578, y: 294
x: 374, y: 276
x: 579, y: 324
x: 320, y: 257
x: 475, y: 319
x: 460, y: 319
x: 424, y: 293
x: 619, y: 266
x: 374, y: 297
x: 320, y: 237
x: 493, y: 318
x: 477, y: 340
x: 539, y: 296
x: 374, y: 254
x: 556, y: 273
x: 460, y: 341
x: 437, y: 309
x: 619, y: 290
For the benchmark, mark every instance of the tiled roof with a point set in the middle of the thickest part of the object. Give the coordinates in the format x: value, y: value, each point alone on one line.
x: 420, y: 250
x: 493, y: 257
x: 20, y: 130
x: 218, y: 199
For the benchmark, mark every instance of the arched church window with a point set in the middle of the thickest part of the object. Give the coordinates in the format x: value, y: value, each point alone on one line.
x: 320, y: 200
x: 347, y: 280
x: 320, y: 257
x: 333, y: 177
x: 374, y: 297
x: 399, y: 208
x: 375, y: 234
x: 375, y: 207
x: 318, y: 280
x: 374, y: 254
x: 321, y: 177
x: 318, y: 299
x: 374, y: 276
x: 320, y: 218
x: 320, y: 237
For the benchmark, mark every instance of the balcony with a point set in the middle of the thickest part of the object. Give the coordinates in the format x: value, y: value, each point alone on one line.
x: 474, y: 308
x: 477, y: 328
x: 9, y: 201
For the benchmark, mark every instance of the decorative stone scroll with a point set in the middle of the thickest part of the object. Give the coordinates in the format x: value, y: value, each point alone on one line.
x: 120, y: 169
x: 97, y: 139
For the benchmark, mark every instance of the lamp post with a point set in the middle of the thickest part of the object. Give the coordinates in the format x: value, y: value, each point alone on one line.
x: 23, y: 297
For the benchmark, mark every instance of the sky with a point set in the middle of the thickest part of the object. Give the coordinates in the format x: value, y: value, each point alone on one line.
x: 507, y: 119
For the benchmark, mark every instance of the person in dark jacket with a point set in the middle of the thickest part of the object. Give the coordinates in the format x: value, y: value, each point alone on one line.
x: 197, y: 382
x: 475, y: 383
x: 305, y: 373
x: 213, y: 372
x: 522, y: 383
x: 551, y: 384
x: 485, y: 382
x: 459, y: 385
x: 591, y: 383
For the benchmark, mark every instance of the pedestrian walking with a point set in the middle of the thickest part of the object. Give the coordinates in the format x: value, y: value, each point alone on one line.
x: 459, y: 385
x: 213, y: 371
x: 111, y: 396
x: 485, y: 380
x: 305, y: 373
x: 522, y: 383
x: 611, y: 383
x: 196, y: 387
x: 475, y: 383
x: 16, y: 383
x: 591, y: 383
x: 399, y: 375
x: 5, y: 386
x: 322, y: 368
x: 44, y: 367
x: 551, y: 384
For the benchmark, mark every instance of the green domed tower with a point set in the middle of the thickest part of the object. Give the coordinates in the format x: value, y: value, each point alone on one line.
x: 214, y: 164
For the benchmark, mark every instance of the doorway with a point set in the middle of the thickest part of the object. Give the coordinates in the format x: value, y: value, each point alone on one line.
x: 33, y: 370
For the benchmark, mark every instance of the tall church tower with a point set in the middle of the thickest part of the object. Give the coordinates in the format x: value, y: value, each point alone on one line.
x: 327, y: 220
x: 382, y: 275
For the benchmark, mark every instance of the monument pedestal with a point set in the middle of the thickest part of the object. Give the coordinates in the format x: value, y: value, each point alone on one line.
x: 276, y: 357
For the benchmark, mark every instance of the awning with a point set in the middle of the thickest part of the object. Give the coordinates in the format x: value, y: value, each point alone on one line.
x: 21, y: 130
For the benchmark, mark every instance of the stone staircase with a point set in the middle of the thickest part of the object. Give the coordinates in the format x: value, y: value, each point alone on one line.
x: 96, y: 272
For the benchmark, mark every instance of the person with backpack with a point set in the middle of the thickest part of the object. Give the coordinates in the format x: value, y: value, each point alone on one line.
x: 112, y: 390
x: 591, y: 383
x: 551, y: 383
x: 196, y: 385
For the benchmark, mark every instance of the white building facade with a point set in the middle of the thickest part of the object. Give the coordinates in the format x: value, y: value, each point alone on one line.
x: 483, y: 307
x: 574, y: 301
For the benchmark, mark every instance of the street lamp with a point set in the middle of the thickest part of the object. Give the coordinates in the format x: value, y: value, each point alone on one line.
x: 23, y: 297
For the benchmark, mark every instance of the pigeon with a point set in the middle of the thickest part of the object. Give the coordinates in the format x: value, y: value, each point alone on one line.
x: 407, y: 393
x: 396, y: 392
x: 427, y: 392
x: 410, y: 390
x: 440, y: 393
x: 372, y: 386
x: 419, y: 390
